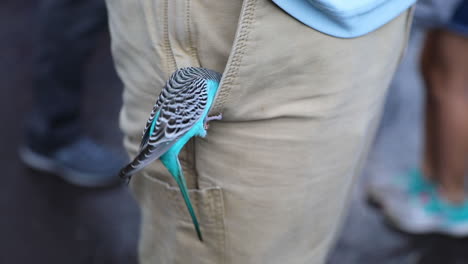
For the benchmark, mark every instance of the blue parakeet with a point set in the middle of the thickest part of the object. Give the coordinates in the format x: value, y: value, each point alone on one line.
x: 180, y: 113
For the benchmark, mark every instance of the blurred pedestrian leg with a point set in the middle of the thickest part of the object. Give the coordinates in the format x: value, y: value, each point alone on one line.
x: 55, y: 142
x: 431, y: 198
x: 444, y: 67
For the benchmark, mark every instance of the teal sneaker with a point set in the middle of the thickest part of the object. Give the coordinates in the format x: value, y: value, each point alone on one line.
x: 405, y: 201
x: 454, y: 217
x: 413, y: 204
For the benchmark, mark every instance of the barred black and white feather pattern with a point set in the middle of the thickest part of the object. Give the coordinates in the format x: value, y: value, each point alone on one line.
x: 180, y: 105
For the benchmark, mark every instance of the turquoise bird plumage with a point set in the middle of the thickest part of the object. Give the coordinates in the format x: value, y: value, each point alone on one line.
x: 180, y: 113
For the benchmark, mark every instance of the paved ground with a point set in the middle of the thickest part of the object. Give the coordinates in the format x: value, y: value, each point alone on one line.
x: 45, y: 220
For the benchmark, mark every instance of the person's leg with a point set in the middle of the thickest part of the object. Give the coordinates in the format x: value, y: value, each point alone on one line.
x: 430, y: 124
x: 431, y: 198
x: 445, y: 71
x: 270, y: 181
x: 55, y: 141
x: 67, y: 32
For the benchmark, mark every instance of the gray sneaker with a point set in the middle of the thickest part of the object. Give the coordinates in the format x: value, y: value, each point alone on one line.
x: 83, y: 163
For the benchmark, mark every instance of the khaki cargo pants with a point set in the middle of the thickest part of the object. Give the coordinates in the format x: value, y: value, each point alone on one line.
x: 270, y: 181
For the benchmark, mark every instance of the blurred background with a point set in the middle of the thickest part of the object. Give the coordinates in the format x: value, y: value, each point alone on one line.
x: 59, y: 219
x: 44, y: 218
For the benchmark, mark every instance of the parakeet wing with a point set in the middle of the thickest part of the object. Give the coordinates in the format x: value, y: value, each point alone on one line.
x: 178, y: 78
x: 146, y: 131
x: 182, y: 104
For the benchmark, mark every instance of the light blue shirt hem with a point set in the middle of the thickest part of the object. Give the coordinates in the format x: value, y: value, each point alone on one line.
x: 345, y: 18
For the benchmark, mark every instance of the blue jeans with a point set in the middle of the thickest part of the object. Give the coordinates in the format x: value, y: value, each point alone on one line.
x: 67, y: 32
x: 459, y: 21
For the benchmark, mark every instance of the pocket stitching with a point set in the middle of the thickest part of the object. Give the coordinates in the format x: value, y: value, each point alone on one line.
x: 246, y: 20
x: 175, y: 198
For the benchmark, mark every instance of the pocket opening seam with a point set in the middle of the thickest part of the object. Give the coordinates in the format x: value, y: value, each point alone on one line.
x: 246, y: 20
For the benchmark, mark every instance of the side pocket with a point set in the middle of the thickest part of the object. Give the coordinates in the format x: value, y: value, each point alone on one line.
x: 167, y: 233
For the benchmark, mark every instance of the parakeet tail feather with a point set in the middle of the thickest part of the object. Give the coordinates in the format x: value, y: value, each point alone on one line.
x: 183, y: 189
